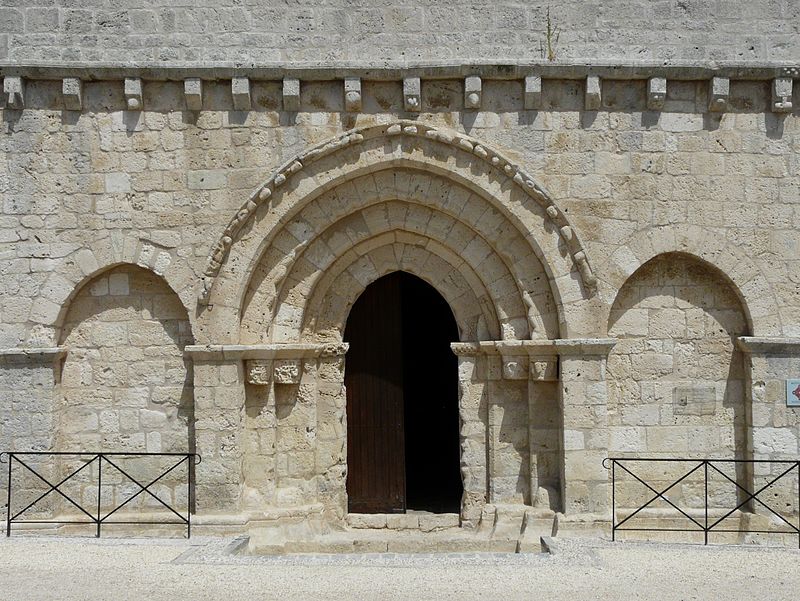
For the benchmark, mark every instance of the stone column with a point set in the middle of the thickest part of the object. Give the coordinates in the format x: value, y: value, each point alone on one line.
x: 473, y: 414
x: 219, y: 394
x: 584, y: 411
x: 331, y: 448
x: 543, y: 424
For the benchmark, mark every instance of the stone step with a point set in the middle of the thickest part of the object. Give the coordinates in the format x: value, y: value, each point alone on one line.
x: 389, y: 541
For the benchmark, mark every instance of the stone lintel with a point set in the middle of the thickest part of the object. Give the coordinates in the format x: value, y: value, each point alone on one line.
x: 536, y: 348
x: 228, y: 352
x: 584, y: 346
x: 769, y: 346
x: 31, y: 355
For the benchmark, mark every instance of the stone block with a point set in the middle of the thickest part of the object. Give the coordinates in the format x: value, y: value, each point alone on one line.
x: 429, y: 522
x: 14, y: 91
x: 366, y: 520
x: 240, y: 90
x: 352, y: 94
x: 592, y: 97
x: 291, y: 94
x: 118, y: 183
x: 133, y: 94
x: 193, y: 93
x: 472, y: 92
x: 400, y: 521
x: 782, y: 94
x: 206, y: 179
x: 656, y: 93
x: 412, y: 94
x: 118, y: 284
x: 72, y: 92
x: 719, y: 94
x: 533, y: 92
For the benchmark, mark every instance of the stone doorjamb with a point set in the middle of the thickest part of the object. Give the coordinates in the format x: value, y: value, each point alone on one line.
x: 233, y: 477
x: 583, y: 406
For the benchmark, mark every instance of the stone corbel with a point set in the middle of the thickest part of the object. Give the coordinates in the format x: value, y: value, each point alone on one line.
x: 240, y: 90
x: 133, y: 94
x: 72, y: 92
x: 14, y: 91
x: 291, y: 94
x: 412, y: 94
x: 352, y: 94
x: 472, y: 92
x: 782, y: 95
x: 719, y: 94
x: 656, y: 93
x: 592, y: 100
x: 533, y: 92
x: 259, y: 372
x: 193, y: 93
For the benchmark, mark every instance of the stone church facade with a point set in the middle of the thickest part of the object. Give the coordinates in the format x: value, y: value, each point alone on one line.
x: 184, y: 241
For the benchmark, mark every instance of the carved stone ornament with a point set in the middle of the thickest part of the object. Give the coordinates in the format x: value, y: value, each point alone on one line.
x: 259, y: 372
x: 334, y: 349
x: 266, y: 193
x: 544, y: 369
x: 515, y: 368
x: 287, y: 371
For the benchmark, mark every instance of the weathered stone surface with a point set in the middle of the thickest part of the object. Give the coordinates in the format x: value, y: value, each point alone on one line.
x: 599, y: 252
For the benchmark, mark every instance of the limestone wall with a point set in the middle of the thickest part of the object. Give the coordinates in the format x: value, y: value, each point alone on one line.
x: 382, y: 32
x: 670, y: 229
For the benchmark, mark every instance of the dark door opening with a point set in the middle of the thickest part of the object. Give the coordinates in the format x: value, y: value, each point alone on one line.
x: 402, y: 400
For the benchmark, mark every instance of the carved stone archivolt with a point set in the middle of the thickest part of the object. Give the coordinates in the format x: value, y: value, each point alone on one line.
x: 461, y: 142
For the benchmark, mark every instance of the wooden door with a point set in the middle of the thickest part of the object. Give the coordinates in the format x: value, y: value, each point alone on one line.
x: 374, y: 381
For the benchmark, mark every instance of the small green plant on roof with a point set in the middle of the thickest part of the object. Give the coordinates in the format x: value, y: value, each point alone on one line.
x: 547, y: 48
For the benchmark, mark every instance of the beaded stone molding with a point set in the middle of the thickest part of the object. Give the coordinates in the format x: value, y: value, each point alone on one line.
x: 413, y: 129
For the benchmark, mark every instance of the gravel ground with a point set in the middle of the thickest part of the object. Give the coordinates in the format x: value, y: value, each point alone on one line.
x: 49, y: 568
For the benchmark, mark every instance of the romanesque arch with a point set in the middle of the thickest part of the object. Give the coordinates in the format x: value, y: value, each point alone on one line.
x: 676, y: 376
x: 391, y: 178
x: 745, y: 278
x: 84, y: 264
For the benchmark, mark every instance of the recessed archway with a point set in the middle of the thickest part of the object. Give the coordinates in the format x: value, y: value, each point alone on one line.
x: 402, y: 399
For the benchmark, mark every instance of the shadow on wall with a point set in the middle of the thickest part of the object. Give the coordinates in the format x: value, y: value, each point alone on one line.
x: 125, y: 385
x: 676, y: 378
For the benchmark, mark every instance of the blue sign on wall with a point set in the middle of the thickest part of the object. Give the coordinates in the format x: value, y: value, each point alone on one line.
x: 793, y: 393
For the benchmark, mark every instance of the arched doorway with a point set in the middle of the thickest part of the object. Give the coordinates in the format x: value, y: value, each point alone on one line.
x: 402, y: 400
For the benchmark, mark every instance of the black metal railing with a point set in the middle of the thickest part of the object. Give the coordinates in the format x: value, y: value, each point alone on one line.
x: 98, y: 515
x: 706, y: 467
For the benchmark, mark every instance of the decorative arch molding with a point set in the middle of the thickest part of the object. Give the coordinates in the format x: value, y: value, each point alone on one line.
x: 87, y: 263
x: 497, y: 259
x: 337, y: 290
x: 451, y: 147
x: 746, y: 278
